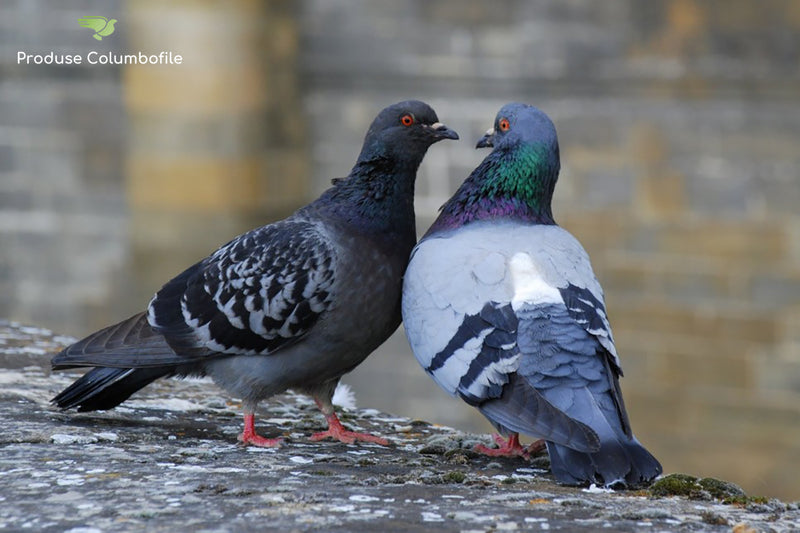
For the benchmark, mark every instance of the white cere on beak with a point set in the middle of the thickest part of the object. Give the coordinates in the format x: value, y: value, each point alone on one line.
x: 490, y: 132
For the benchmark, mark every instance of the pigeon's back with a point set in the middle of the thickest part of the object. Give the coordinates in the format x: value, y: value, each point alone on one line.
x: 510, y: 317
x: 461, y: 270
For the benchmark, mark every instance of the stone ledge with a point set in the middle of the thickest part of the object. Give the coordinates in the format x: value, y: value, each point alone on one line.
x: 168, y: 460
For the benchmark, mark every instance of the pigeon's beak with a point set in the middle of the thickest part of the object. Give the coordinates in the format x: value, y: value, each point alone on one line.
x: 487, y: 141
x: 440, y: 131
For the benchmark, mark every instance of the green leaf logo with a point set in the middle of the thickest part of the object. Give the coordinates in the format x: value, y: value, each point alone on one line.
x: 102, y: 26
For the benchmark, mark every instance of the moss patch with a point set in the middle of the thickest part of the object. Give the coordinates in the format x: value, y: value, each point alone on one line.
x: 454, y: 476
x: 706, y: 488
x: 676, y: 485
x: 719, y: 489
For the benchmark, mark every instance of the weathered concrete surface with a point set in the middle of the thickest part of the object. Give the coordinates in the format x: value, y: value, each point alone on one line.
x: 168, y: 460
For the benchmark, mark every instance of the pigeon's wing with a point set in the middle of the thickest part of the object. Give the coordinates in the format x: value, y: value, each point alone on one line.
x: 564, y: 264
x: 455, y: 297
x: 261, y: 292
x: 132, y: 341
x: 462, y: 327
x: 453, y: 277
x: 93, y: 22
x: 568, y: 356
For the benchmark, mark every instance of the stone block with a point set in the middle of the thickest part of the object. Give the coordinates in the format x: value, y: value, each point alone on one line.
x: 720, y: 324
x: 737, y: 241
x: 777, y: 289
x: 598, y: 234
x: 194, y: 183
x: 283, y: 184
x: 777, y: 374
x: 195, y: 91
x: 213, y: 135
x: 661, y: 195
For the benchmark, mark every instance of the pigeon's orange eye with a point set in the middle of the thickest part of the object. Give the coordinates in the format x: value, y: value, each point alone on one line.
x: 407, y: 120
x: 503, y: 124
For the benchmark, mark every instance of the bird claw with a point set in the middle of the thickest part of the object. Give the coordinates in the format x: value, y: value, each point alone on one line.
x: 348, y: 437
x: 337, y: 431
x: 500, y: 441
x: 249, y: 437
x: 259, y: 441
x: 536, y: 447
x: 510, y: 448
x: 503, y: 451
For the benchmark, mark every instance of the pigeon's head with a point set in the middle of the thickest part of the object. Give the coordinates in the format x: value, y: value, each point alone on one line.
x: 404, y: 131
x: 524, y: 124
x: 516, y: 180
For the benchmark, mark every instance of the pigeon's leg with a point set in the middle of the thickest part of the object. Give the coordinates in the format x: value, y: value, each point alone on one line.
x: 336, y: 430
x: 536, y: 447
x: 251, y: 438
x: 507, y: 448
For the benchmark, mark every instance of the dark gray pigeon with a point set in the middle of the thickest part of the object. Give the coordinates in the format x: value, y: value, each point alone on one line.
x: 502, y: 308
x: 291, y: 305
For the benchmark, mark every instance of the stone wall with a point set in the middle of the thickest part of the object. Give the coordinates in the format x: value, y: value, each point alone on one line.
x: 62, y: 219
x: 217, y: 143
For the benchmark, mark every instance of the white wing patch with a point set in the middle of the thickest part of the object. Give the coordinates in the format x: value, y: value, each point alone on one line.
x: 529, y: 285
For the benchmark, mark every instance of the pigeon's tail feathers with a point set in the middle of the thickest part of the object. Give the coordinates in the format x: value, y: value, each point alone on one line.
x: 131, y: 343
x: 620, y: 459
x: 104, y: 388
x: 522, y: 409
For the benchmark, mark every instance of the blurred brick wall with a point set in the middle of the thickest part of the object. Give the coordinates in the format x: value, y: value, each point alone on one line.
x: 62, y: 220
x: 679, y: 124
x: 217, y: 142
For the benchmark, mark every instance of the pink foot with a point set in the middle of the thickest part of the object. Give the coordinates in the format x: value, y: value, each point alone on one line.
x: 249, y: 437
x: 337, y: 431
x: 510, y: 447
x: 537, y: 447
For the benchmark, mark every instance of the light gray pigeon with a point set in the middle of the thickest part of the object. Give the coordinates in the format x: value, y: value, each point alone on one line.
x: 295, y: 304
x: 502, y: 308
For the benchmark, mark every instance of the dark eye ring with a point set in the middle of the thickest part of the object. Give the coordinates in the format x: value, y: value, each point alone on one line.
x: 503, y: 125
x: 407, y: 120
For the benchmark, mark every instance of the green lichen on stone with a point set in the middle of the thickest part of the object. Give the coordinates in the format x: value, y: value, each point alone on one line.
x: 459, y: 453
x: 719, y: 489
x: 676, y: 485
x: 706, y: 488
x: 433, y: 449
x: 745, y: 500
x: 454, y: 476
